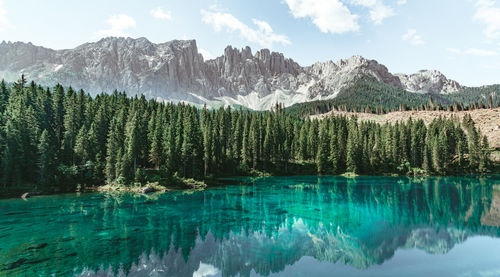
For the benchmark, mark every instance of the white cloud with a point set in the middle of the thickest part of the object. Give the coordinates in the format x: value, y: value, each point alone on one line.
x: 330, y: 16
x: 117, y: 26
x: 380, y: 12
x: 4, y: 22
x: 365, y: 3
x: 454, y: 50
x: 262, y: 35
x: 401, y: 2
x: 480, y: 52
x: 159, y: 13
x: 488, y: 14
x: 206, y: 54
x: 413, y: 38
x: 263, y: 25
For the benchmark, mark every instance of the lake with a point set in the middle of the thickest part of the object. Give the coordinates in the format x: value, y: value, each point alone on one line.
x: 269, y: 226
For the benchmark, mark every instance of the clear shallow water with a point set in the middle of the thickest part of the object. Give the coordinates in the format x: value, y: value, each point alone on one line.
x: 279, y: 226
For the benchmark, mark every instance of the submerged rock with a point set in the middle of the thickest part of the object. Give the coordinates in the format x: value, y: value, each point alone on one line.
x: 37, y: 247
x: 147, y: 190
x: 29, y: 194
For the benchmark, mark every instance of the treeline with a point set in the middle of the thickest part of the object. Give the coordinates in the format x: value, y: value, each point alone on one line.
x: 60, y: 138
x: 477, y: 97
x: 370, y: 96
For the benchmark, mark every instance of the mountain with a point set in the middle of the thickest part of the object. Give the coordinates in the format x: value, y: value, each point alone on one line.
x: 176, y: 71
x: 428, y: 81
x: 250, y: 252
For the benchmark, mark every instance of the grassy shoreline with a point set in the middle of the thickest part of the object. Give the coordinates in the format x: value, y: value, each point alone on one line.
x: 183, y: 185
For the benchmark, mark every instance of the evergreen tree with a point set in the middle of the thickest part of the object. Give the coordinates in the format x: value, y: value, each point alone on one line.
x: 48, y: 160
x: 237, y: 136
x: 82, y: 144
x: 168, y: 145
x: 113, y: 146
x: 246, y: 154
x: 352, y: 161
x: 303, y: 153
x: 131, y: 153
x: 312, y: 142
x: 334, y: 149
x: 254, y: 141
x: 63, y: 138
x: 12, y: 157
x: 323, y: 148
x: 268, y: 140
x: 4, y: 96
x: 59, y: 111
x: 484, y: 160
x: 155, y: 152
x: 190, y: 145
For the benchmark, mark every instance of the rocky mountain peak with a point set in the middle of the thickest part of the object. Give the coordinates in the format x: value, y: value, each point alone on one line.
x: 334, y: 76
x: 353, y: 61
x: 429, y: 81
x: 176, y: 71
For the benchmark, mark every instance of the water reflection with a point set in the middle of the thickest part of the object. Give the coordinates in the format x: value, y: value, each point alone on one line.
x: 260, y: 226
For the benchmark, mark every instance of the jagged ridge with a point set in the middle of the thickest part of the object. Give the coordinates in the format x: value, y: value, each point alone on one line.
x: 175, y: 71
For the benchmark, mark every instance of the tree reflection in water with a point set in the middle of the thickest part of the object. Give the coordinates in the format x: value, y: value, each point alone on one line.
x: 262, y: 225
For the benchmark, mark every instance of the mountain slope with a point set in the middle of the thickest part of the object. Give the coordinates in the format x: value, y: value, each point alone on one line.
x: 175, y: 71
x: 366, y: 92
x: 486, y: 120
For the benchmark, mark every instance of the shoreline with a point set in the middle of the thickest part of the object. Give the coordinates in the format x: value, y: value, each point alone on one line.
x: 152, y: 188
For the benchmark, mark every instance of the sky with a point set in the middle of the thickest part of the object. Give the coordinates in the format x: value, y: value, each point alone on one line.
x: 460, y: 38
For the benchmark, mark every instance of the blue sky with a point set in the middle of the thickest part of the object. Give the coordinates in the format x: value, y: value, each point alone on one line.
x: 461, y: 38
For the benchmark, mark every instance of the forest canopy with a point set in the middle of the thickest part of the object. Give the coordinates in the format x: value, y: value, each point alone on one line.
x: 58, y: 138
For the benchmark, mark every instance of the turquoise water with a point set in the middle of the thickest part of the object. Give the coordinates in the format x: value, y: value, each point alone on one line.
x: 278, y: 226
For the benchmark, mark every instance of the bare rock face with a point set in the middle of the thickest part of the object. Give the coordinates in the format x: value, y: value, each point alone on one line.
x: 239, y: 73
x: 333, y: 77
x: 175, y: 71
x: 428, y: 81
